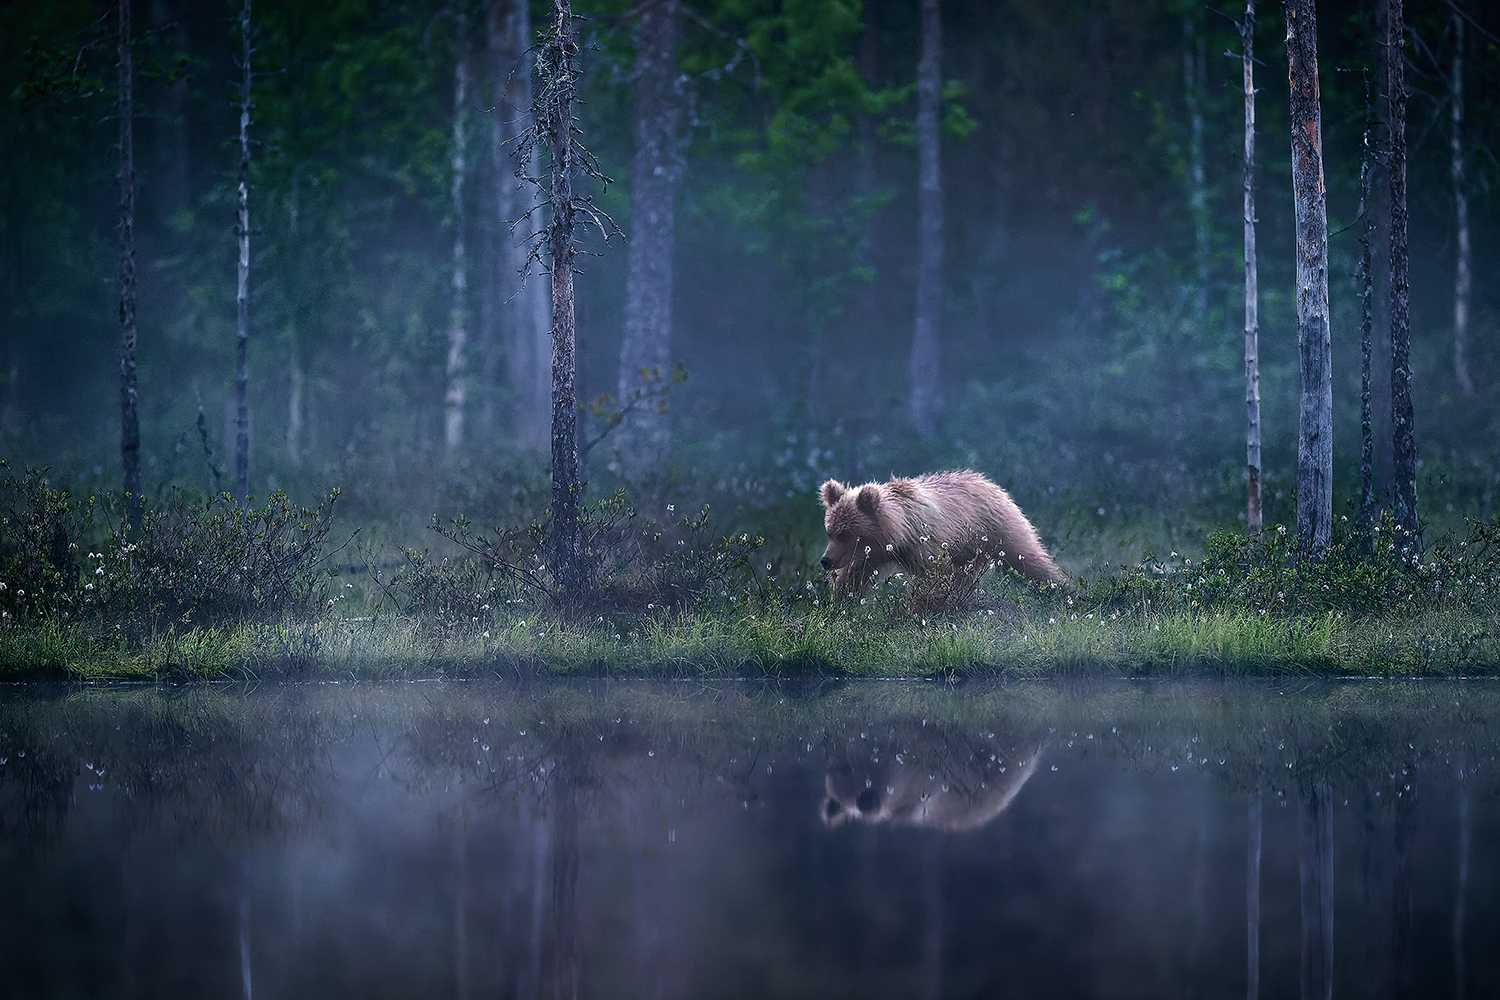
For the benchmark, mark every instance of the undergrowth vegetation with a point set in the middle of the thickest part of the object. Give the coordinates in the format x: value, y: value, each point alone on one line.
x: 206, y: 588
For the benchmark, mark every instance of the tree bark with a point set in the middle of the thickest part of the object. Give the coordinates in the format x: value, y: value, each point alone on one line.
x: 1315, y: 871
x: 1380, y: 183
x: 242, y: 288
x: 1462, y: 280
x: 521, y: 304
x: 1403, y: 444
x: 1314, y: 339
x: 1366, y: 327
x: 926, y: 346
x: 1194, y: 69
x: 458, y: 314
x: 559, y: 79
x: 1252, y: 282
x: 130, y: 428
x: 645, y: 352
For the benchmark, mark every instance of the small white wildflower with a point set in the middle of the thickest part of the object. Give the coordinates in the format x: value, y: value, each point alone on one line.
x: 99, y: 571
x: 486, y: 634
x: 88, y: 586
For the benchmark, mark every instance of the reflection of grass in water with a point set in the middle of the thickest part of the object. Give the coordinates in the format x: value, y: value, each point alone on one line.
x: 259, y: 756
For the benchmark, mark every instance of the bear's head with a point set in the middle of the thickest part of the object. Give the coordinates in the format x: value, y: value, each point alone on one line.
x: 851, y: 518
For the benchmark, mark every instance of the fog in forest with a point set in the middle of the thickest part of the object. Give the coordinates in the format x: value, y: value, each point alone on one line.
x: 1090, y: 333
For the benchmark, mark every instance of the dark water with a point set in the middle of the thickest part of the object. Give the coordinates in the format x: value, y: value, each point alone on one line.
x: 614, y: 839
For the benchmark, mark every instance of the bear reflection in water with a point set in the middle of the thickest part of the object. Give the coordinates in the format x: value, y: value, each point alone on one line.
x: 903, y: 790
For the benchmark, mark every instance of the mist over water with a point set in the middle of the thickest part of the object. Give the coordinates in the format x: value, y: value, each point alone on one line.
x: 676, y: 839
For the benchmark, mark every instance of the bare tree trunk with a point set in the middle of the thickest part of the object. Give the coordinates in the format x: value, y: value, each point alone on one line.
x: 130, y: 428
x: 1315, y: 870
x: 1252, y: 899
x: 1366, y: 326
x: 926, y: 345
x: 1461, y: 279
x: 242, y: 288
x: 523, y: 307
x: 1194, y: 69
x: 1252, y: 282
x: 558, y: 71
x: 1403, y: 445
x: 645, y: 352
x: 1314, y: 339
x: 458, y: 313
x: 1380, y: 183
x: 296, y: 407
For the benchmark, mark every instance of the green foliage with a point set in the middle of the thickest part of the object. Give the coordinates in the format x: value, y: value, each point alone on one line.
x: 627, y: 562
x: 74, y: 562
x: 1379, y: 574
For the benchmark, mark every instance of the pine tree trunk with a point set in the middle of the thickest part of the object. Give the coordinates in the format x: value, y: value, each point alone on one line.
x: 1194, y: 69
x: 1462, y: 280
x: 1366, y: 324
x: 645, y: 439
x: 458, y: 314
x: 522, y: 309
x: 926, y: 346
x: 1314, y: 340
x: 1252, y: 282
x: 242, y: 290
x: 1403, y: 445
x: 130, y: 428
x: 559, y: 83
x: 1380, y: 184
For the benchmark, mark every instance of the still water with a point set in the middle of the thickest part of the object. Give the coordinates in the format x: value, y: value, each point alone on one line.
x: 623, y: 839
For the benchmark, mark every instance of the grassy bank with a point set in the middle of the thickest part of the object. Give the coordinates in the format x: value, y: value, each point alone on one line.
x: 212, y: 590
x: 780, y: 643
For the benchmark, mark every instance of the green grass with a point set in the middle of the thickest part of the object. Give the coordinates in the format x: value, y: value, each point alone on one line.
x: 766, y: 640
x: 208, y: 590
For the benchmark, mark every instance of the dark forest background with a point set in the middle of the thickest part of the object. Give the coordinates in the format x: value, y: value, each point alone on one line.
x: 1078, y: 369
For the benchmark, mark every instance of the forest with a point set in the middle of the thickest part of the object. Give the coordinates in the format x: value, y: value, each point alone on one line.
x: 257, y: 255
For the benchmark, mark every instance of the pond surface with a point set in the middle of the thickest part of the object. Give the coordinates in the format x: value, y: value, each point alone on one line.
x: 622, y: 839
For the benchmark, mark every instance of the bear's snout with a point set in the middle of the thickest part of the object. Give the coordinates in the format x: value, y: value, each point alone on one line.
x: 826, y: 563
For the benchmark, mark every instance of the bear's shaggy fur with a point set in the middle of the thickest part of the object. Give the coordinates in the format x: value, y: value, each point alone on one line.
x: 944, y: 529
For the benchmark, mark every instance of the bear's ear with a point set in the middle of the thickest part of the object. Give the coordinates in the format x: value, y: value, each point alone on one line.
x: 832, y: 490
x: 868, y: 498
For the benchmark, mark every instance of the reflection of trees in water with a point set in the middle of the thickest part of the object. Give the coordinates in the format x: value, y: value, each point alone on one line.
x: 549, y: 858
x: 1315, y: 878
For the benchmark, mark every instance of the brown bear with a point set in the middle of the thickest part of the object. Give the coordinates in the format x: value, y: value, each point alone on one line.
x: 944, y: 529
